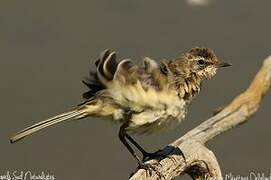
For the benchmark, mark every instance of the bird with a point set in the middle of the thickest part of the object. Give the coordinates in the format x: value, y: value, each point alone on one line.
x: 143, y: 98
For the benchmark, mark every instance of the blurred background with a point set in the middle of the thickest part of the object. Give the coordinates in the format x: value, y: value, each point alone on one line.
x: 48, y: 47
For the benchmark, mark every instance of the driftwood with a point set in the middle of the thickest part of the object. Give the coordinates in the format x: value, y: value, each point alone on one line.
x: 189, y: 154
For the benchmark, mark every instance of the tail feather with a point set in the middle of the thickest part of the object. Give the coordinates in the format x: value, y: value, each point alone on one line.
x: 73, y: 114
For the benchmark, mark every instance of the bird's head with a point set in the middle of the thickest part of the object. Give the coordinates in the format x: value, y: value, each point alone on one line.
x: 201, y: 62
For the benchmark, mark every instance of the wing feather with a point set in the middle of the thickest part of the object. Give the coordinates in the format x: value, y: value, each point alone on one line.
x: 109, y: 72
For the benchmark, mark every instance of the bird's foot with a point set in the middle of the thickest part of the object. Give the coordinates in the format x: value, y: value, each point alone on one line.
x: 156, y: 155
x: 149, y: 169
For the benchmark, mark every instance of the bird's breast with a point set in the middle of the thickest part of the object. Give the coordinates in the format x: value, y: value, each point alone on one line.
x: 137, y: 98
x: 151, y: 109
x: 153, y: 120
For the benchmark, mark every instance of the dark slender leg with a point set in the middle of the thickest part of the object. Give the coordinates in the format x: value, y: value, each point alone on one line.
x: 122, y: 135
x: 147, y: 167
x: 136, y: 144
x: 146, y: 155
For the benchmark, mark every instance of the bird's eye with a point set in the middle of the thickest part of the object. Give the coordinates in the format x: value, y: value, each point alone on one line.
x: 201, y: 62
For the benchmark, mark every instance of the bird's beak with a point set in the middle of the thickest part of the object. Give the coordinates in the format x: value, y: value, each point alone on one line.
x: 224, y: 64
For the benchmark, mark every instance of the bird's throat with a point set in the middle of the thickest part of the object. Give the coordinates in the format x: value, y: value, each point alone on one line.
x: 188, y: 87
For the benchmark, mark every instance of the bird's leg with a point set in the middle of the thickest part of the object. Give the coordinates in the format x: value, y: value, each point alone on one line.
x: 146, y: 155
x: 147, y: 167
x: 122, y: 135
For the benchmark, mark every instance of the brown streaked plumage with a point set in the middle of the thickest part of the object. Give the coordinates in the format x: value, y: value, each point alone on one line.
x: 143, y: 98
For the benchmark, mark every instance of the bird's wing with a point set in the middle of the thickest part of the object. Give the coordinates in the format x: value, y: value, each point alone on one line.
x: 106, y: 66
x: 109, y: 73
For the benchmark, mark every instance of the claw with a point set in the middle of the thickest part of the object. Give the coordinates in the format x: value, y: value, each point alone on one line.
x: 157, y: 154
x: 149, y: 168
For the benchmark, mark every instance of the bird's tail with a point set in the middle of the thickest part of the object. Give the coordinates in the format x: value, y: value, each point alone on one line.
x: 72, y: 114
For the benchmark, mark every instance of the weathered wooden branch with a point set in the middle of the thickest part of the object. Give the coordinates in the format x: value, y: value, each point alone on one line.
x: 189, y: 154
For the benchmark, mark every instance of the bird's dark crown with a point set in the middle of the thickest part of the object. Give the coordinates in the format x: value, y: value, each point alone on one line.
x: 206, y: 53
